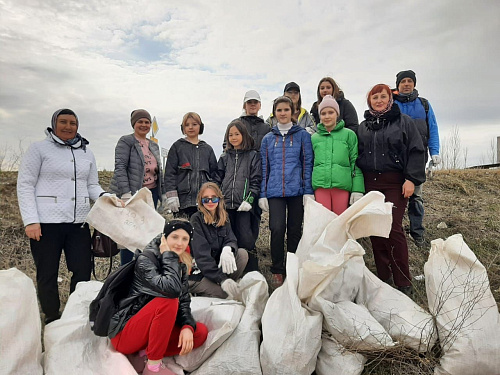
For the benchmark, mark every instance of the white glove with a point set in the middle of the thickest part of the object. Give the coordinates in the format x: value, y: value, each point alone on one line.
x: 164, y: 200
x: 310, y: 130
x: 355, y: 197
x: 244, y: 206
x: 264, y: 204
x: 126, y: 196
x: 305, y: 196
x: 231, y: 288
x: 436, y: 159
x: 227, y: 261
x: 173, y: 204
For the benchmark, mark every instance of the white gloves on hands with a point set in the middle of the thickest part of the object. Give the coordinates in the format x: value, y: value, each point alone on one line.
x: 227, y: 261
x: 310, y: 130
x: 173, y: 204
x: 231, y: 288
x: 126, y: 196
x: 264, y: 204
x: 305, y: 196
x: 355, y: 197
x: 244, y: 206
x: 436, y: 159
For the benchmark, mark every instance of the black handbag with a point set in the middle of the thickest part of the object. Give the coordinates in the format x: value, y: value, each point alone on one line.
x: 103, y: 247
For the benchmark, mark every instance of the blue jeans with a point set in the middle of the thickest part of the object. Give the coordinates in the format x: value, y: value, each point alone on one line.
x: 416, y: 214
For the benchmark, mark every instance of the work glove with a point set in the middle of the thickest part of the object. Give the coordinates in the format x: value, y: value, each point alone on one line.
x: 227, y: 261
x: 231, y: 288
x: 264, y: 204
x: 305, y: 196
x: 310, y: 130
x: 126, y: 196
x: 244, y: 206
x: 355, y: 197
x: 436, y: 159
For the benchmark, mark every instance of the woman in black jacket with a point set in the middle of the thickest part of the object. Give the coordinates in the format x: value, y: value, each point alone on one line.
x: 219, y: 261
x: 392, y: 159
x: 156, y: 320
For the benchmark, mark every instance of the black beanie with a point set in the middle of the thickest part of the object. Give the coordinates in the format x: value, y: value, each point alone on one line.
x: 405, y: 74
x: 175, y: 224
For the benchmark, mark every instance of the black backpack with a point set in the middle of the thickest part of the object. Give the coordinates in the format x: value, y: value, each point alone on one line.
x: 115, y: 288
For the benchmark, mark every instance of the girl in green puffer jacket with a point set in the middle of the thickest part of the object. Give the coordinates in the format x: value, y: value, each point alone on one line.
x: 336, y: 180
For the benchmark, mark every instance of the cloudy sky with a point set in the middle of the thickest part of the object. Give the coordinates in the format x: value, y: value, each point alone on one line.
x: 105, y: 58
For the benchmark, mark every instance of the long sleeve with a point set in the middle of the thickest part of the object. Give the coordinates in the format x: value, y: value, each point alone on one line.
x: 350, y: 116
x: 170, y: 174
x: 122, y: 159
x: 255, y: 174
x: 93, y: 187
x: 26, y: 183
x: 265, y: 167
x: 415, y: 158
x: 308, y: 157
x: 358, y: 181
x: 433, y: 132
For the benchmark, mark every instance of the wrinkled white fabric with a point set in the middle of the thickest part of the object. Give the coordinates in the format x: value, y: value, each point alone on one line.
x: 333, y: 358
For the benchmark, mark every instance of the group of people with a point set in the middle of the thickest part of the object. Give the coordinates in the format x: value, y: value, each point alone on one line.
x: 274, y: 165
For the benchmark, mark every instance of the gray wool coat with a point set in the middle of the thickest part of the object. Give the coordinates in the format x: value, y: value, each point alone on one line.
x: 129, y: 166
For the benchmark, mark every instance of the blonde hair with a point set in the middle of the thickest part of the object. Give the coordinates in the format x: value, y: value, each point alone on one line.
x: 187, y: 259
x: 220, y: 218
x: 196, y: 117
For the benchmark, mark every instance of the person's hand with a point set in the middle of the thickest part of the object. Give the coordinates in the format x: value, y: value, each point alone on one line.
x: 173, y: 204
x: 231, y: 288
x: 436, y: 159
x: 408, y: 188
x: 185, y: 341
x: 310, y: 130
x: 227, y: 261
x: 34, y: 231
x: 305, y: 196
x: 264, y: 204
x: 244, y: 206
x: 163, y: 244
x: 355, y: 197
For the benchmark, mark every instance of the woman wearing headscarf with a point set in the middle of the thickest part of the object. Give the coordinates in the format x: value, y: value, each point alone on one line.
x: 391, y: 157
x: 56, y: 181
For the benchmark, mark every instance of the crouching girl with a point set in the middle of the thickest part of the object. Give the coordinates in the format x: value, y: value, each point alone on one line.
x: 157, y: 320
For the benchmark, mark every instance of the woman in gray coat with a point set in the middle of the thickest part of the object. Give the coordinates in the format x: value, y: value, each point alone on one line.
x: 137, y: 165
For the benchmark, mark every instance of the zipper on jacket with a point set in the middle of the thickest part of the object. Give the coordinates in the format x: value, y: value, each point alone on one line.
x: 74, y: 171
x: 283, y: 168
x: 234, y: 178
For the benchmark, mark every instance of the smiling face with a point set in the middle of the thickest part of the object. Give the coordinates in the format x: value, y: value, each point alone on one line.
x: 208, y: 195
x: 380, y: 100
x: 252, y: 107
x: 235, y: 137
x: 328, y: 117
x: 284, y: 113
x: 66, y: 127
x: 406, y: 86
x: 192, y: 128
x: 325, y: 88
x: 178, y: 241
x: 142, y: 127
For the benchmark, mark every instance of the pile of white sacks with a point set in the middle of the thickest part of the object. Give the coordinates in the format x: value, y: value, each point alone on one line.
x: 329, y: 302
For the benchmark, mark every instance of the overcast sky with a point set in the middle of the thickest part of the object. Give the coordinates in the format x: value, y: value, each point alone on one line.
x: 105, y: 58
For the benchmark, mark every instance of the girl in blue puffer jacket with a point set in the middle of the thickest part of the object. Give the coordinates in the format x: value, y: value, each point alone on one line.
x: 287, y: 161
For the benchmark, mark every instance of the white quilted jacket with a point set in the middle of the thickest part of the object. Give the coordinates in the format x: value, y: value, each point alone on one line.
x: 55, y: 183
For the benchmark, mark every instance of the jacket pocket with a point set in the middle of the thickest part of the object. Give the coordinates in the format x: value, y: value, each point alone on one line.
x: 46, y: 199
x: 184, y: 179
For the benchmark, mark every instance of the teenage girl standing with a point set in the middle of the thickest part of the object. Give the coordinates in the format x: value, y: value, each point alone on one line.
x: 190, y: 163
x: 239, y: 177
x: 287, y: 160
x: 336, y: 179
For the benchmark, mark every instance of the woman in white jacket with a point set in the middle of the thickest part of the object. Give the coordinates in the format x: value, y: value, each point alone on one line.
x: 56, y: 181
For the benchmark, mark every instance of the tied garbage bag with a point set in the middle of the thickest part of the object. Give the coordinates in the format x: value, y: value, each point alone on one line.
x: 467, y: 318
x: 291, y: 331
x: 221, y: 317
x: 132, y: 226
x: 333, y: 358
x: 70, y: 345
x: 239, y: 354
x: 20, y: 327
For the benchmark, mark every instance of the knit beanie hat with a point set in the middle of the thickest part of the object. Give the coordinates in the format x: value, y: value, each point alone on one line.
x: 64, y: 111
x: 175, y: 224
x: 138, y: 114
x: 406, y: 74
x: 329, y: 102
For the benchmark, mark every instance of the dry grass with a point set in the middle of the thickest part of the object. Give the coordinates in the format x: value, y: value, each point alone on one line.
x: 467, y: 201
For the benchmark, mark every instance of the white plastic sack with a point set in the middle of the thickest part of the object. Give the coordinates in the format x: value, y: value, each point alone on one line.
x: 20, y: 327
x: 239, y: 354
x: 221, y: 318
x: 467, y: 318
x: 333, y: 358
x: 403, y: 319
x: 291, y: 331
x: 133, y: 226
x: 71, y: 347
x: 351, y: 325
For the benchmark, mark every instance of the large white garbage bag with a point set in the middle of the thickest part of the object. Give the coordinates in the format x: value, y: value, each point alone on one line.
x: 403, y: 319
x: 72, y: 348
x: 20, y: 327
x: 291, y: 331
x: 221, y: 318
x: 133, y: 226
x: 239, y: 354
x: 467, y: 318
x: 333, y: 358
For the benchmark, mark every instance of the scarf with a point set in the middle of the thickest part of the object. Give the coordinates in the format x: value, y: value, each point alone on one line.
x: 380, y: 113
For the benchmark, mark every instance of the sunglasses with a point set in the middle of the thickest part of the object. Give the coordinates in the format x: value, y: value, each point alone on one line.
x: 212, y: 199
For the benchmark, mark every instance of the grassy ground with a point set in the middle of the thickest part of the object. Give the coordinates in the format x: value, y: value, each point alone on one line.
x: 466, y: 201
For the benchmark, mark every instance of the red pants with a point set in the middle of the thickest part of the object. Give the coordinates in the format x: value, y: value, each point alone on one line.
x: 153, y: 328
x: 336, y: 200
x: 391, y: 254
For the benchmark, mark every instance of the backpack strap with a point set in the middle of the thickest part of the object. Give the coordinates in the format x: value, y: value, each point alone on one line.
x: 425, y: 104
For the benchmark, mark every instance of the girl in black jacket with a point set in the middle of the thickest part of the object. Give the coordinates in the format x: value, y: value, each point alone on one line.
x: 392, y: 159
x: 219, y: 261
x: 239, y: 176
x: 156, y: 319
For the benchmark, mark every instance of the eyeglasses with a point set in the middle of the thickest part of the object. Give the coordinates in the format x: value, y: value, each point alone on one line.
x: 210, y: 199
